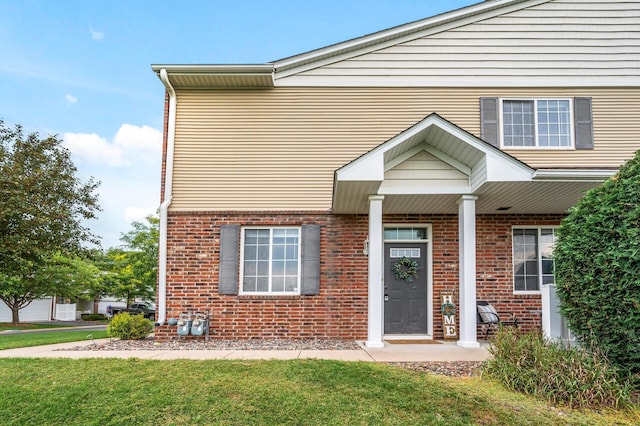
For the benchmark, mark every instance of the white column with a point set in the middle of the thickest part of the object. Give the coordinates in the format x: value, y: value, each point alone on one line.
x: 375, y: 319
x: 467, y: 246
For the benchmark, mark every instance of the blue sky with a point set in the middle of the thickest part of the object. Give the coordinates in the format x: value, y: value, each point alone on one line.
x: 81, y: 69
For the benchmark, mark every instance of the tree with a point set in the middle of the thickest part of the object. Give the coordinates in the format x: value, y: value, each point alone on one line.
x: 597, y: 258
x: 42, y: 206
x: 142, y: 243
x: 131, y: 271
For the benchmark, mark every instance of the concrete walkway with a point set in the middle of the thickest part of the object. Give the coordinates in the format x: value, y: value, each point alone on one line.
x: 445, y: 351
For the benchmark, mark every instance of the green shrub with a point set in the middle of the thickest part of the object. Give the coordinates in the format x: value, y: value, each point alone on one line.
x: 530, y: 364
x: 597, y: 261
x: 93, y: 317
x: 130, y: 327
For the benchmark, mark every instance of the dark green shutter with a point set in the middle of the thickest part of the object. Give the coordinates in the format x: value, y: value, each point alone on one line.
x: 583, y: 118
x: 229, y: 251
x: 489, y: 120
x: 310, y: 278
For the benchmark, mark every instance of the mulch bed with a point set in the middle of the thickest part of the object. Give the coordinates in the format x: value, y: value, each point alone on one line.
x: 451, y: 369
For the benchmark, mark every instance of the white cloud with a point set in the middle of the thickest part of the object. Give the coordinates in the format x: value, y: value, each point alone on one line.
x: 138, y: 214
x: 96, y: 35
x: 71, y: 99
x: 92, y: 148
x: 128, y: 167
x: 143, y: 140
x: 131, y: 145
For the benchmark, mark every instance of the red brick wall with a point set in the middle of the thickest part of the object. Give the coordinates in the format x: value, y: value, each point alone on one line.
x: 340, y: 310
x: 494, y: 265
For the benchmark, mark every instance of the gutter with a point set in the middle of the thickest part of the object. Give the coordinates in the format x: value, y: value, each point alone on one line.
x: 563, y: 175
x: 164, y: 207
x: 244, y: 69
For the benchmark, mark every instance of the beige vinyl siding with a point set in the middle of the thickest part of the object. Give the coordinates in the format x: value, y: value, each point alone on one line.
x: 556, y: 43
x: 278, y: 149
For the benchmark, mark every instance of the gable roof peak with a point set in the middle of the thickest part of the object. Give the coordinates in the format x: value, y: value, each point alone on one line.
x: 463, y: 16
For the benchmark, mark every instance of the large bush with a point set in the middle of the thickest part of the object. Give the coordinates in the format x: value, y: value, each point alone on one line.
x: 574, y: 377
x: 597, y: 258
x: 130, y: 327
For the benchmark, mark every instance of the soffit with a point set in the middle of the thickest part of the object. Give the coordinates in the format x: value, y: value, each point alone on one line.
x: 218, y: 76
x: 493, y: 198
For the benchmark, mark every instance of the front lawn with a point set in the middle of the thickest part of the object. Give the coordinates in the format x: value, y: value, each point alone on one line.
x: 307, y: 392
x: 23, y: 340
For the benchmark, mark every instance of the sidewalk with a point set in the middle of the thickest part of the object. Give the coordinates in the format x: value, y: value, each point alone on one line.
x: 443, y: 352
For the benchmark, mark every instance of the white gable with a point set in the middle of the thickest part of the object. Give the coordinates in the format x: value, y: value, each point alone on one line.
x: 555, y: 43
x: 424, y: 172
x: 431, y: 158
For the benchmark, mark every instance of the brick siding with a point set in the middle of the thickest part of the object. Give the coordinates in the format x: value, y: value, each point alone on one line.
x: 340, y: 310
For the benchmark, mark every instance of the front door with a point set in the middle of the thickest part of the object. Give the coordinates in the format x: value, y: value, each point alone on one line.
x: 405, y: 288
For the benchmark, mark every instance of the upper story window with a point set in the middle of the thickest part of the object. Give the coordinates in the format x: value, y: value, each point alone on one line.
x: 537, y: 123
x: 531, y: 123
x: 270, y: 261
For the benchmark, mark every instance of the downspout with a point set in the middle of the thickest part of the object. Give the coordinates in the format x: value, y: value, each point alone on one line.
x: 164, y: 207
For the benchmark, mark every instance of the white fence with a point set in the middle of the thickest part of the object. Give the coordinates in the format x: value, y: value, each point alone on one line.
x: 554, y: 325
x: 38, y: 310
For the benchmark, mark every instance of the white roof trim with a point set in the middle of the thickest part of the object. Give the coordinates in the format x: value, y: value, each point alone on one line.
x: 371, y: 166
x: 214, y: 69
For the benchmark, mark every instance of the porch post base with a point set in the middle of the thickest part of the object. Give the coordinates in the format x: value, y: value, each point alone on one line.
x: 471, y: 344
x: 372, y: 344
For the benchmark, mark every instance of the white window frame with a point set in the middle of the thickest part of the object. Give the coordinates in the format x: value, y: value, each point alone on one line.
x: 572, y: 137
x: 538, y: 228
x: 270, y: 292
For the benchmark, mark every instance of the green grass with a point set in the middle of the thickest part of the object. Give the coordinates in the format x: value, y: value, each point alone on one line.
x: 28, y: 326
x: 307, y: 392
x: 23, y: 340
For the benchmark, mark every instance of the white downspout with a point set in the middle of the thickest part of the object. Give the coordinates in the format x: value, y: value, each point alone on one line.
x: 168, y: 180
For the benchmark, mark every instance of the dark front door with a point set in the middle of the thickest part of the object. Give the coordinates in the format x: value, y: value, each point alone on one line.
x: 405, y: 301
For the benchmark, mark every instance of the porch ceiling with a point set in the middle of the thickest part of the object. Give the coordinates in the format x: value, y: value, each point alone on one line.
x: 534, y: 197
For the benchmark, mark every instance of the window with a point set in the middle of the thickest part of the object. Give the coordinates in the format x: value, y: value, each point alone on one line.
x: 533, y: 258
x: 542, y: 123
x: 404, y: 252
x: 405, y: 234
x: 270, y: 260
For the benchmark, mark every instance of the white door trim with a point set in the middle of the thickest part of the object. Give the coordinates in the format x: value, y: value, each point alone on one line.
x: 429, y: 243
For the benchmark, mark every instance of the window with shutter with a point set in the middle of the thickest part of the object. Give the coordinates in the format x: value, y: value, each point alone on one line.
x: 555, y: 123
x: 270, y: 260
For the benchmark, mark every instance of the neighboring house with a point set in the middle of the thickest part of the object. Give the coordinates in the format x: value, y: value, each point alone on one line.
x: 292, y: 189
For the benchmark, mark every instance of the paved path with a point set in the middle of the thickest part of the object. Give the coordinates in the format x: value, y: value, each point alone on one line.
x: 446, y: 351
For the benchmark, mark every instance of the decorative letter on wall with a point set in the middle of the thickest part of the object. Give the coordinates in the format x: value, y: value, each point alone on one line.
x: 449, y: 317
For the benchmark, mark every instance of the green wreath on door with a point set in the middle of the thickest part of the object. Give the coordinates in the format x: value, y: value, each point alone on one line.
x: 406, y: 269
